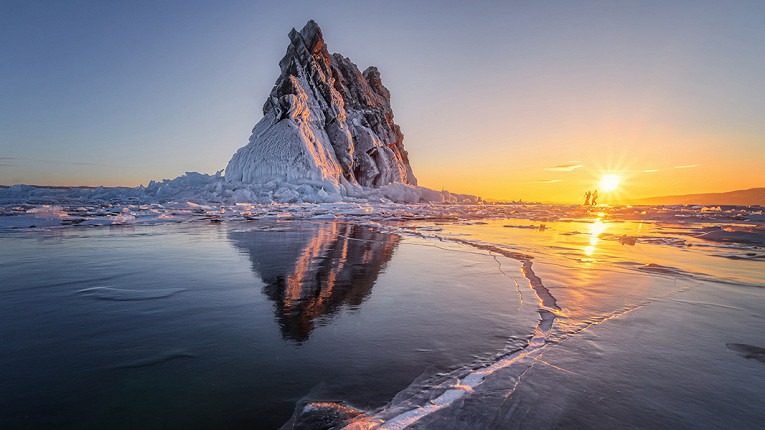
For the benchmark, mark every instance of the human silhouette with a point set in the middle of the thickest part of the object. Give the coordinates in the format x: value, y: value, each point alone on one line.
x: 595, y: 198
x: 587, y: 198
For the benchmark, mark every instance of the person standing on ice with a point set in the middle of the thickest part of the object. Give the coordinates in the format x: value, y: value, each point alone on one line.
x: 587, y: 197
x: 595, y: 198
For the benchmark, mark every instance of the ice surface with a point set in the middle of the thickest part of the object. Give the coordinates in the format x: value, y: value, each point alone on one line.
x: 195, y: 196
x: 577, y: 273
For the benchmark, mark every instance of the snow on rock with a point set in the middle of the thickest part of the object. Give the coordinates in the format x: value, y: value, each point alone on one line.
x: 402, y: 193
x: 325, y: 124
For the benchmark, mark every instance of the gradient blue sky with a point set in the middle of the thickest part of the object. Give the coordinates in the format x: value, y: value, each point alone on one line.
x: 490, y: 95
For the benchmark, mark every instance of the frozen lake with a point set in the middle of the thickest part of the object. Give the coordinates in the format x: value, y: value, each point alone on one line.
x: 487, y: 318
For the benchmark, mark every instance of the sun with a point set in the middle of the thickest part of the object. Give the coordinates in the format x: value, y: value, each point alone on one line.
x: 610, y: 182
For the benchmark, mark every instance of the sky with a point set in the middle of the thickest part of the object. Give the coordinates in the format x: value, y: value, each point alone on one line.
x: 506, y: 100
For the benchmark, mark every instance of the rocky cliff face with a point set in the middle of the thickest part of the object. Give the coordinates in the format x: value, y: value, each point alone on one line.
x: 325, y: 122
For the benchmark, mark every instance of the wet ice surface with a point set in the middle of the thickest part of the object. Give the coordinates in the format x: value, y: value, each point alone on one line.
x: 259, y: 316
x: 382, y: 316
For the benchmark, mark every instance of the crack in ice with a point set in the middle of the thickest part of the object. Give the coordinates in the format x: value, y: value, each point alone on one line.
x: 467, y: 384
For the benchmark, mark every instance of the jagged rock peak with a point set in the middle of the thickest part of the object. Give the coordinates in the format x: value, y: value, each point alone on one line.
x: 324, y: 121
x: 312, y: 37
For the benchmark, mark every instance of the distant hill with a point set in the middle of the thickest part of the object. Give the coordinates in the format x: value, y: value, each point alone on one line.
x: 750, y: 197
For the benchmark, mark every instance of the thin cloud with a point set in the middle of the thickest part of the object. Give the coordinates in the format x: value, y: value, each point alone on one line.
x: 651, y: 171
x: 687, y: 166
x: 68, y: 163
x: 564, y: 167
x: 548, y: 181
x: 74, y: 163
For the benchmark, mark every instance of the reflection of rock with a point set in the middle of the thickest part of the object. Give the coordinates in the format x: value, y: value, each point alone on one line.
x: 312, y: 270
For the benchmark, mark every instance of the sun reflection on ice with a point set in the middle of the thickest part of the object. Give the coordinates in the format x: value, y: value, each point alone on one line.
x: 596, y: 229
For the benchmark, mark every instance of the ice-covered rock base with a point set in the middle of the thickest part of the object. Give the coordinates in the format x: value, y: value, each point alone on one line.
x: 204, y: 189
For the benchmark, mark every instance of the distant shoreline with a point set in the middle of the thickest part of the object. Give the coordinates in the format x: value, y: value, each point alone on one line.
x: 749, y: 197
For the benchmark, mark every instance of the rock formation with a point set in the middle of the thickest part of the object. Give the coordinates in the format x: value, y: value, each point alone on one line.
x: 325, y: 123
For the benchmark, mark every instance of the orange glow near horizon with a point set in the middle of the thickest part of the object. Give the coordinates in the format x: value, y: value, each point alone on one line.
x: 615, y: 185
x: 550, y: 165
